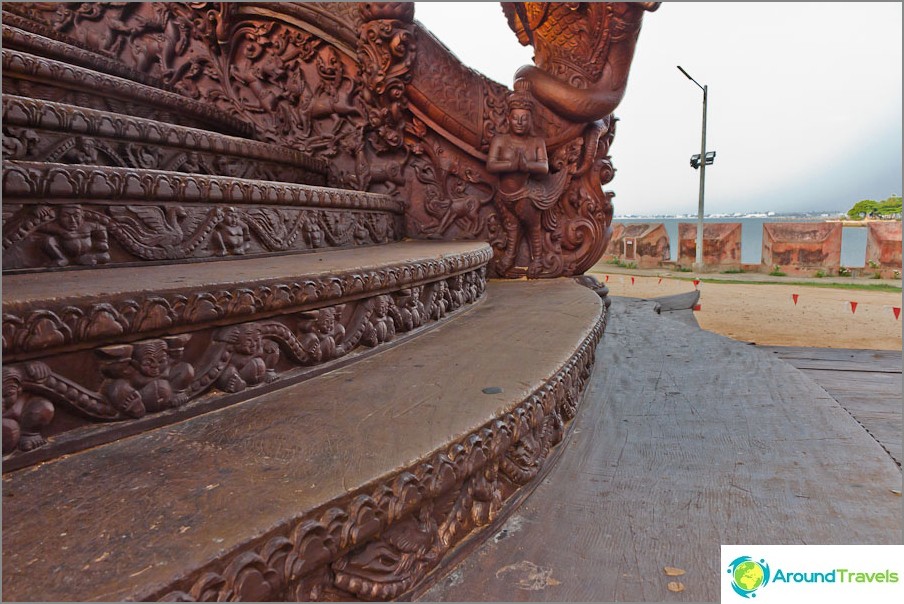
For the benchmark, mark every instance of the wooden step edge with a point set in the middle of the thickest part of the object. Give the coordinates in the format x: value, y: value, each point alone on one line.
x: 21, y: 33
x: 101, y: 396
x: 19, y: 64
x: 55, y: 313
x: 43, y: 182
x: 71, y: 216
x: 71, y: 119
x: 427, y: 507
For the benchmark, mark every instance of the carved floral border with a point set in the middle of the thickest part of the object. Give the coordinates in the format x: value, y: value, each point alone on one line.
x: 18, y: 64
x: 67, y: 323
x: 42, y: 181
x: 48, y: 115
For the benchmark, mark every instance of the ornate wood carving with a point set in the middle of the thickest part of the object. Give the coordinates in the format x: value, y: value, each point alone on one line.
x: 160, y: 216
x: 418, y: 129
x: 126, y: 381
x: 79, y: 322
x: 378, y: 542
x: 36, y: 130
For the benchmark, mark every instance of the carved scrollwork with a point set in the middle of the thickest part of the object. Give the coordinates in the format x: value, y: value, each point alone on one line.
x: 127, y: 381
x: 379, y: 542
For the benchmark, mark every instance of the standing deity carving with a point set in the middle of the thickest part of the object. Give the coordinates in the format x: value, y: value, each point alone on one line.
x: 527, y: 191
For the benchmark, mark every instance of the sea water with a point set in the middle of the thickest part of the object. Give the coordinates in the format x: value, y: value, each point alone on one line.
x: 853, y: 239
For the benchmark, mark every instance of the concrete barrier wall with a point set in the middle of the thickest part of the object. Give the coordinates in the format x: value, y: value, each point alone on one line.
x: 721, y: 244
x: 802, y: 247
x: 883, y: 244
x: 645, y: 244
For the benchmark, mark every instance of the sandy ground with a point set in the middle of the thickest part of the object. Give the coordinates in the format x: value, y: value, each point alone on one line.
x: 766, y: 314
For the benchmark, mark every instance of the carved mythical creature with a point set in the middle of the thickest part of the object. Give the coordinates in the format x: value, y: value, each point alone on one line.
x: 525, y: 458
x: 582, y: 51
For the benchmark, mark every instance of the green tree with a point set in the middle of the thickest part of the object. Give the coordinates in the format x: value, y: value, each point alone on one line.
x: 863, y: 209
x: 890, y: 206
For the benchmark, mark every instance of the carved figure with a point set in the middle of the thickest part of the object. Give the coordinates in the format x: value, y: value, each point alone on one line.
x: 380, y: 327
x: 25, y: 413
x: 409, y: 311
x: 332, y: 102
x: 231, y: 235
x: 520, y: 158
x: 322, y: 334
x: 251, y: 359
x: 311, y: 231
x: 73, y: 238
x: 148, y: 376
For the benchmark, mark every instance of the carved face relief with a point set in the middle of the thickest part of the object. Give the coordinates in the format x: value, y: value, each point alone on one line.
x: 232, y: 217
x: 71, y: 218
x: 520, y: 121
x: 326, y: 321
x: 248, y: 341
x: 150, y: 358
x: 522, y: 462
x: 12, y: 387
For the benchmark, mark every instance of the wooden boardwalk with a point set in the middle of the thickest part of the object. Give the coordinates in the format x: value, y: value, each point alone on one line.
x: 686, y: 440
x: 867, y: 383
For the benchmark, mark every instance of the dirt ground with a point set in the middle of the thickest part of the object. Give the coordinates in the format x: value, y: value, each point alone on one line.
x: 766, y: 313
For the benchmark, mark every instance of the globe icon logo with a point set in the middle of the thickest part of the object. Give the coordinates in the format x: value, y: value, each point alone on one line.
x: 748, y: 575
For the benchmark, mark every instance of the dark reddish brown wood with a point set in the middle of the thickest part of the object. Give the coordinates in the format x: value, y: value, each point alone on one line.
x: 363, y: 506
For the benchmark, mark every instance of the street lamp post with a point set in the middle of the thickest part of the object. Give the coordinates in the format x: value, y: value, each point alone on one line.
x: 702, y: 161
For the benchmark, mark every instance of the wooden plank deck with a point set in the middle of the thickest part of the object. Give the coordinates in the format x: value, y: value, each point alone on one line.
x: 686, y: 440
x: 867, y: 383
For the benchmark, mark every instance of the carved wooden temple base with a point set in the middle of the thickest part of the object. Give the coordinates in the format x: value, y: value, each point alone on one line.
x: 252, y: 348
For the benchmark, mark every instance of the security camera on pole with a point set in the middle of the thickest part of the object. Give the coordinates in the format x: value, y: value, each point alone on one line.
x: 700, y: 161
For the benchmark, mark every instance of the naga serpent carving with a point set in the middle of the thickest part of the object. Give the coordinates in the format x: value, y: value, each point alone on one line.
x: 549, y: 216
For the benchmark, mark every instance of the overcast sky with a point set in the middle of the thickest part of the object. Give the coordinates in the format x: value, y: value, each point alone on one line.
x: 804, y: 104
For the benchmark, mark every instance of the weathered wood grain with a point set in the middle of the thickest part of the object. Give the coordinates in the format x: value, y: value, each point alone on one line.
x: 867, y: 383
x: 687, y: 440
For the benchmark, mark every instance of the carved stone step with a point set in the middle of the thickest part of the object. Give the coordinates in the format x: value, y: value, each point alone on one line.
x: 352, y: 485
x: 28, y: 75
x: 133, y: 348
x: 64, y: 215
x: 44, y: 131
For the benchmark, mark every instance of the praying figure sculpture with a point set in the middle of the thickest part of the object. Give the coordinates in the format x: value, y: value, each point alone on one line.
x: 526, y: 190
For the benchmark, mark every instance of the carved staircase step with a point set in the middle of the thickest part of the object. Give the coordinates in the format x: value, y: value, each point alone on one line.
x: 20, y: 33
x: 354, y: 484
x: 65, y: 215
x: 133, y: 348
x: 44, y: 131
x: 25, y: 74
